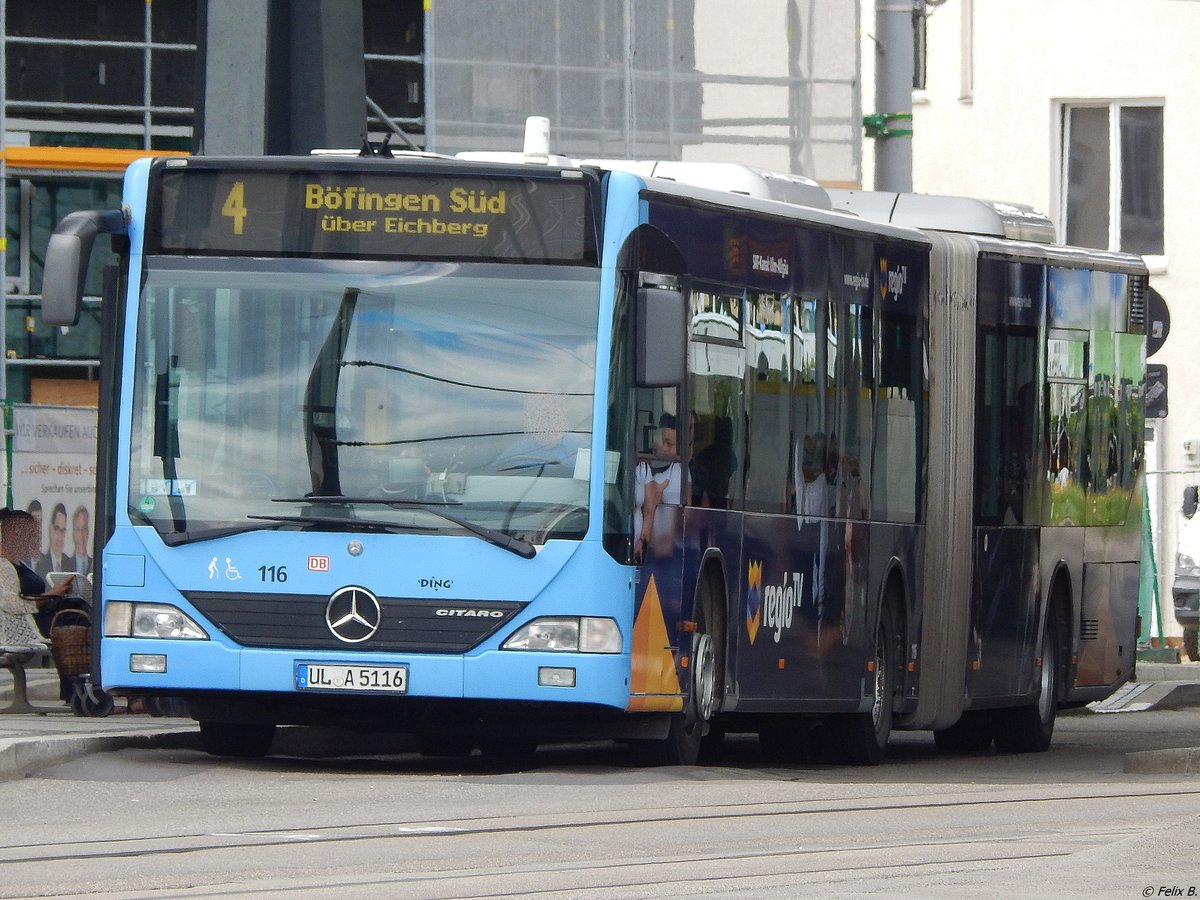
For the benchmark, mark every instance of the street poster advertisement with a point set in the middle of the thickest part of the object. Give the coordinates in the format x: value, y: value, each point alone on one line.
x: 53, y: 476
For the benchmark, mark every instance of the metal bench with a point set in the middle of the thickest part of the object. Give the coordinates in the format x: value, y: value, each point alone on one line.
x: 21, y: 645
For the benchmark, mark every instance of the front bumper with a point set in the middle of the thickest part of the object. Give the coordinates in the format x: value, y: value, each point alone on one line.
x: 210, y: 666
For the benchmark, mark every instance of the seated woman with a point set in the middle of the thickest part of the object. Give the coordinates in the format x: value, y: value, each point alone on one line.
x: 19, y: 542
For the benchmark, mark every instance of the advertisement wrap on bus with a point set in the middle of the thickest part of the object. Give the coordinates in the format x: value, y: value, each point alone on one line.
x: 498, y: 454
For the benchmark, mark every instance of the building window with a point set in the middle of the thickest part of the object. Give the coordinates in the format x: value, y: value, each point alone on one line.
x: 394, y: 41
x: 110, y: 73
x: 1112, y: 178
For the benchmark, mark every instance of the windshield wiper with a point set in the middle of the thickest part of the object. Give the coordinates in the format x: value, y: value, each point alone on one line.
x: 268, y: 523
x: 493, y: 536
x: 175, y: 538
x: 358, y: 524
x: 375, y: 501
x: 188, y: 536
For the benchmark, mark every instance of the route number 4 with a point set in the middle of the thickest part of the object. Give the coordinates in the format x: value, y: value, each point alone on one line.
x: 235, y: 206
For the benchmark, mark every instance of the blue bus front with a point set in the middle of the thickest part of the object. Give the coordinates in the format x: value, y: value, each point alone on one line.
x: 344, y: 472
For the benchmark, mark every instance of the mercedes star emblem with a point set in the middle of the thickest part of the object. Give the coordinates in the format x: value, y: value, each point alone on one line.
x: 353, y: 614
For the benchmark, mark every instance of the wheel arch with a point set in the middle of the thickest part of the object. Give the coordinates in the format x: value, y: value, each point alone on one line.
x: 894, y: 589
x: 1062, y: 601
x: 895, y: 593
x: 711, y: 566
x: 712, y: 572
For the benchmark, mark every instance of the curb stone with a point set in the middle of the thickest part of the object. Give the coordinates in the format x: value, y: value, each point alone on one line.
x: 21, y: 756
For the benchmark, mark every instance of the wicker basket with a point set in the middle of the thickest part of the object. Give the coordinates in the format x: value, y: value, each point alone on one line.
x: 71, y: 644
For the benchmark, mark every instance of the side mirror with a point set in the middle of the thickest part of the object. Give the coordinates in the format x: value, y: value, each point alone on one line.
x: 661, y: 337
x: 1190, y: 498
x: 67, y: 257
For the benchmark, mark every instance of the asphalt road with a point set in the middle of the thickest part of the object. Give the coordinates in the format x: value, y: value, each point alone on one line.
x: 582, y: 821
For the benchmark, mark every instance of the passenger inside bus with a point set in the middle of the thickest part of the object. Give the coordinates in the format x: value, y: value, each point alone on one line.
x: 813, y: 488
x: 658, y: 480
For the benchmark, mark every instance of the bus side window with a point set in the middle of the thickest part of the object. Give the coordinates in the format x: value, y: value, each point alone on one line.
x: 1066, y: 427
x: 654, y: 407
x: 768, y: 367
x: 658, y: 474
x: 713, y: 461
x: 716, y: 387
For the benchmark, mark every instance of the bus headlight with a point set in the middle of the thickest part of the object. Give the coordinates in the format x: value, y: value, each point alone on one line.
x: 150, y: 620
x: 575, y: 634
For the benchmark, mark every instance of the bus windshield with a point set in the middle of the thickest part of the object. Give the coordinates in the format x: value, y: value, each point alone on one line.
x: 363, y: 396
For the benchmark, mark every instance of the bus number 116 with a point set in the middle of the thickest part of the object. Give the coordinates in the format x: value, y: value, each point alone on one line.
x: 272, y: 573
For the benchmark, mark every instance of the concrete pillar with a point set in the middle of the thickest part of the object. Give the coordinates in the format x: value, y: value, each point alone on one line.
x: 893, y: 93
x: 280, y: 76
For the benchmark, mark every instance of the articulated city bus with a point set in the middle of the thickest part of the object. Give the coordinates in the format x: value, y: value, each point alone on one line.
x: 499, y: 453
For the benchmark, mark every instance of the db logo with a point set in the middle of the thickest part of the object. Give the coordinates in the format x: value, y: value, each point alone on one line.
x: 318, y: 564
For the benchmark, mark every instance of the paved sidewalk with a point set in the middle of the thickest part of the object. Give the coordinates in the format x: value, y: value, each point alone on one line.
x: 1185, y: 671
x: 1157, y: 686
x: 31, y: 741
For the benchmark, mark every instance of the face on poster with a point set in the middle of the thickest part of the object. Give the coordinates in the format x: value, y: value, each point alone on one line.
x: 54, y: 479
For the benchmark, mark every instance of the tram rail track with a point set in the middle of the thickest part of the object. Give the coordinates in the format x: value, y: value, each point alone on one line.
x: 58, y: 852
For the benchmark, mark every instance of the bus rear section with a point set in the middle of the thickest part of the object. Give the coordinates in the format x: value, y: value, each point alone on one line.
x: 1048, y: 471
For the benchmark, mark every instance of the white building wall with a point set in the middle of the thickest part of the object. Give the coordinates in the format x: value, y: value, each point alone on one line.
x: 998, y: 138
x: 792, y: 62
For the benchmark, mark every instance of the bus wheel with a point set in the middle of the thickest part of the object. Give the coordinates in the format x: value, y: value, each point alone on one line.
x: 860, y: 739
x: 238, y: 739
x: 970, y: 734
x: 681, y: 746
x: 1189, y: 644
x: 1028, y: 729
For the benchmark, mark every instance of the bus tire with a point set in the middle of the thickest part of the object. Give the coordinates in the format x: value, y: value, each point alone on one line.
x: 973, y: 733
x: 1189, y: 644
x: 236, y: 739
x: 1028, y: 729
x: 705, y: 690
x: 860, y: 739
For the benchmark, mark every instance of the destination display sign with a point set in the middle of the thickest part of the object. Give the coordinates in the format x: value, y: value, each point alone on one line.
x: 370, y: 213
